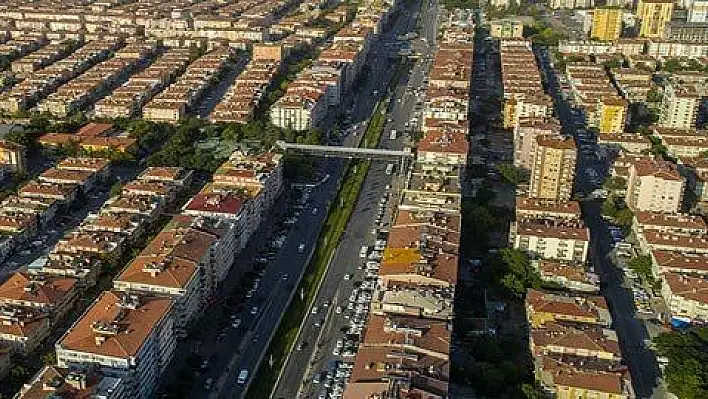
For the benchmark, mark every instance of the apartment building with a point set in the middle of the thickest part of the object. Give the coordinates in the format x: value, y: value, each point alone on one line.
x: 626, y: 142
x: 507, y: 28
x: 553, y: 169
x: 64, y: 383
x: 172, y: 104
x: 679, y: 106
x: 654, y: 15
x: 521, y: 86
x: 96, y: 81
x: 551, y: 239
x: 23, y: 329
x: 654, y: 185
x: 442, y: 148
x: 545, y: 307
x: 412, y: 304
x: 13, y: 156
x: 538, y: 208
x: 572, y: 276
x: 612, y: 114
x: 658, y: 49
x: 563, y: 378
x: 126, y: 335
x: 128, y: 100
x: 53, y: 295
x: 687, y: 32
x: 698, y: 11
x: 686, y: 296
x: 570, y: 4
x: 525, y: 134
x: 664, y: 261
x: 633, y: 84
x: 606, y: 24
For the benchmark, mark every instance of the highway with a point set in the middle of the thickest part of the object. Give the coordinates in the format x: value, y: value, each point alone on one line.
x: 230, y: 350
x: 324, y: 326
x: 631, y: 331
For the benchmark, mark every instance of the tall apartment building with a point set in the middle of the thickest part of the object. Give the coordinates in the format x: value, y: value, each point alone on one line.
x: 507, y: 28
x: 126, y: 336
x: 698, y: 12
x: 654, y: 185
x: 606, y: 24
x: 679, y: 106
x: 654, y: 15
x: 612, y: 114
x: 553, y: 168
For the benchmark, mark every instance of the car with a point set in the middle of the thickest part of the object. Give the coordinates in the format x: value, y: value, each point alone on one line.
x: 236, y: 323
x: 301, y: 248
x: 317, y: 378
x: 314, y: 310
x: 254, y: 310
x: 208, y: 383
x: 340, y: 343
x: 325, y: 304
x: 300, y: 346
x: 347, y: 276
x: 336, y: 351
x: 242, y: 377
x: 314, y: 211
x: 338, y: 310
x: 318, y: 323
x: 204, y: 365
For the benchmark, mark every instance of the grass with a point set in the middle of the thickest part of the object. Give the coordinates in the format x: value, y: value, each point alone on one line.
x: 283, y: 340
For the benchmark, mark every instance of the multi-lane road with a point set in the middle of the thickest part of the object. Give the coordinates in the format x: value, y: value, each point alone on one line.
x: 229, y: 350
x: 324, y: 325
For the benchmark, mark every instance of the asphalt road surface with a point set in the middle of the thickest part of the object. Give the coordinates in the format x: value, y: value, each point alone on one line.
x: 324, y: 327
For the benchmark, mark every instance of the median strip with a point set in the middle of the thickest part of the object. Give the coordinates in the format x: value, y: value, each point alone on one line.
x: 281, y: 345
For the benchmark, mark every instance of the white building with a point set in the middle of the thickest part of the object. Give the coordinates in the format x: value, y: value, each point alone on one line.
x: 123, y: 335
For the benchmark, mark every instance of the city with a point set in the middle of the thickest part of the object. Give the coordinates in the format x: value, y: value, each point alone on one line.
x: 353, y: 199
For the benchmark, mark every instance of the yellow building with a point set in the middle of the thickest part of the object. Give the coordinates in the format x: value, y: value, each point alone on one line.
x: 553, y: 170
x: 612, y: 114
x: 606, y: 24
x: 654, y: 15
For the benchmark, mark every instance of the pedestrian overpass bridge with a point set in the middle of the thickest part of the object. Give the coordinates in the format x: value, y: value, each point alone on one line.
x: 346, y: 152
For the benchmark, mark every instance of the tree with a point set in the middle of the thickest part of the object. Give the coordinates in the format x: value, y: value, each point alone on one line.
x: 514, y: 272
x: 686, y: 373
x: 615, y: 183
x: 512, y: 174
x: 116, y: 189
x: 642, y: 265
x: 50, y: 358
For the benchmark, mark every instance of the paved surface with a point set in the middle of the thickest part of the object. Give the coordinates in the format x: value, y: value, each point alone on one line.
x: 324, y: 326
x: 631, y: 331
x: 64, y: 221
x: 230, y: 350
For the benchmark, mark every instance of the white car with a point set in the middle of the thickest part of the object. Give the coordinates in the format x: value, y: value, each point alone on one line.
x: 347, y: 276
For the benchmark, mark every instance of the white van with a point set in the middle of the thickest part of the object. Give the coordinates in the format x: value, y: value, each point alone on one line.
x: 242, y: 377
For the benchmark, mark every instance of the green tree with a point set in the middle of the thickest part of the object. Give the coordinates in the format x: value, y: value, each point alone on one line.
x: 116, y: 189
x: 512, y: 174
x: 687, y: 351
x: 642, y: 265
x: 615, y: 183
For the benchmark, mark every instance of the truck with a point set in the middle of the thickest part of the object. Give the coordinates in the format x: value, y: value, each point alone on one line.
x: 393, y: 135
